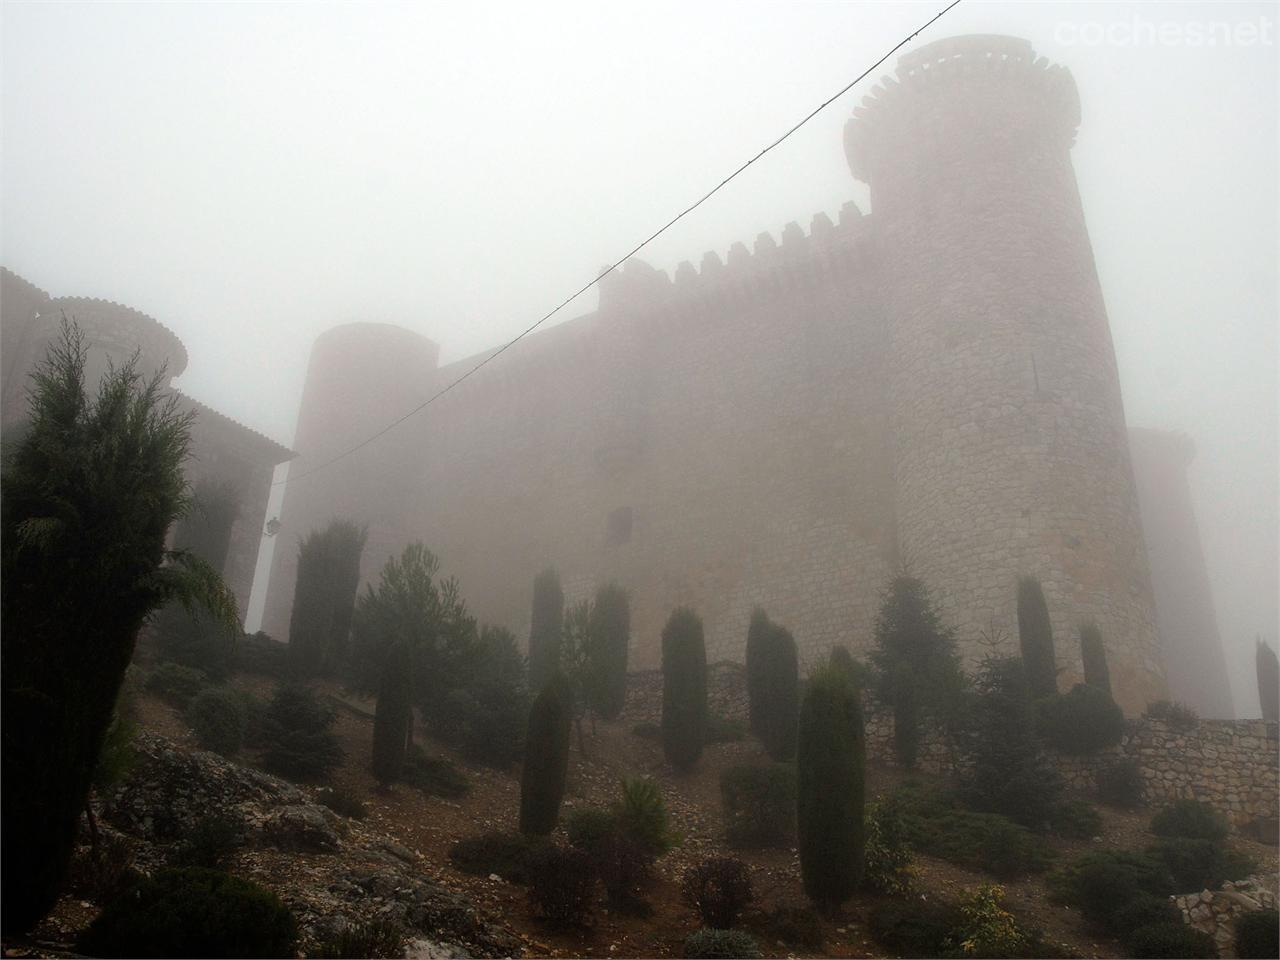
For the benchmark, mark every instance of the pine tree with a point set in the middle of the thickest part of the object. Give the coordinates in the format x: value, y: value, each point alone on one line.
x: 781, y: 695
x: 393, y: 716
x: 759, y: 633
x: 1093, y: 655
x: 546, y: 759
x: 610, y: 637
x: 684, y: 689
x: 1268, y: 681
x: 324, y: 597
x: 1035, y: 635
x: 830, y: 789
x: 545, y: 629
x: 90, y: 491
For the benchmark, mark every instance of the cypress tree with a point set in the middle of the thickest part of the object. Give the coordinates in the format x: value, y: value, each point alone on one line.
x: 546, y: 759
x: 393, y: 716
x: 1035, y: 635
x: 781, y: 695
x: 684, y: 689
x: 1093, y: 656
x: 324, y: 597
x: 906, y: 718
x: 1268, y: 669
x: 610, y: 637
x: 842, y: 659
x: 759, y: 633
x: 829, y: 789
x: 545, y: 628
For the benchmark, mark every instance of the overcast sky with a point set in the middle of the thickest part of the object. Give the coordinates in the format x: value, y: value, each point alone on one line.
x: 252, y: 174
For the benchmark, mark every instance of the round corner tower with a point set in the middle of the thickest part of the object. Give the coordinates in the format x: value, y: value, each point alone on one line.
x: 360, y: 377
x: 1010, y: 450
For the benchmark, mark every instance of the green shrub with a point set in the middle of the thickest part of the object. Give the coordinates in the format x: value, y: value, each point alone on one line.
x: 829, y: 789
x: 1093, y: 658
x: 494, y: 734
x: 642, y: 816
x: 984, y: 928
x: 708, y: 944
x: 210, y: 843
x: 1121, y: 785
x: 505, y: 854
x: 546, y: 629
x: 1080, y: 722
x: 1258, y: 934
x: 296, y: 729
x: 1035, y: 638
x: 888, y: 853
x: 259, y: 653
x: 1179, y: 716
x: 759, y: 803
x: 546, y: 759
x: 435, y: 776
x: 684, y: 689
x: 622, y: 864
x: 796, y: 927
x: 912, y: 929
x: 1075, y: 819
x: 1144, y: 910
x: 719, y: 889
x: 101, y: 872
x: 561, y: 884
x: 1199, y: 864
x: 610, y: 629
x: 724, y: 730
x: 217, y: 718
x: 193, y: 913
x: 647, y: 730
x: 375, y: 938
x: 342, y: 801
x: 1170, y: 940
x: 175, y: 684
x: 393, y: 716
x: 1191, y: 819
x: 1102, y: 883
x: 195, y: 640
x: 588, y: 827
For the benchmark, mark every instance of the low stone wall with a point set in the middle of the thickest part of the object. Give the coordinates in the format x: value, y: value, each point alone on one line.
x: 1216, y: 912
x: 1233, y: 765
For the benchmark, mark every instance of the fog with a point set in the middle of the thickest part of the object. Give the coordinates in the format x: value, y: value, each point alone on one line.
x: 252, y: 175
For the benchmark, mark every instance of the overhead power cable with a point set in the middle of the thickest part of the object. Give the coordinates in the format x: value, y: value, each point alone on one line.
x: 634, y: 250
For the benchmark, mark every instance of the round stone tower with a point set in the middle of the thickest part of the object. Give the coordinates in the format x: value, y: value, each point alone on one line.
x: 361, y: 377
x: 1010, y: 449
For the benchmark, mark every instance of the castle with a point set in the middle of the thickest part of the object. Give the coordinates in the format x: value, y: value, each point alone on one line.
x: 932, y: 384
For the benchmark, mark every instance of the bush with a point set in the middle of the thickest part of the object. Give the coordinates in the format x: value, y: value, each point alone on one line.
x: 707, y: 944
x: 796, y: 927
x: 829, y: 789
x: 1144, y: 910
x: 1080, y: 722
x: 1170, y: 940
x: 621, y: 863
x: 1102, y: 883
x: 193, y: 913
x: 719, y: 889
x: 1191, y: 819
x: 375, y: 938
x: 217, y: 717
x: 210, y: 843
x: 296, y: 730
x: 1121, y: 785
x: 195, y: 640
x: 175, y: 684
x: 103, y: 872
x: 985, y: 928
x: 546, y: 759
x: 393, y: 716
x: 343, y: 802
x: 505, y: 854
x: 759, y: 804
x: 915, y: 929
x: 561, y: 884
x: 494, y: 733
x: 1258, y: 934
x: 1075, y: 819
x: 587, y: 828
x: 260, y: 654
x: 1035, y: 638
x: 724, y: 730
x: 684, y: 689
x: 435, y: 776
x: 642, y: 816
x: 1179, y: 716
x: 887, y: 854
x: 1199, y: 864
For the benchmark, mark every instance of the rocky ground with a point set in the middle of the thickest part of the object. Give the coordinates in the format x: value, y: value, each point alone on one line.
x: 393, y: 864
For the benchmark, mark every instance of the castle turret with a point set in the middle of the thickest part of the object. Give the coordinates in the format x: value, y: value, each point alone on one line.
x: 361, y: 377
x: 1010, y: 451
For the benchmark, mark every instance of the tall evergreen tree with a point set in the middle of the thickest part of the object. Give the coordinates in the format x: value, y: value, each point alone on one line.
x: 1035, y: 635
x: 759, y: 633
x: 830, y: 789
x: 546, y: 759
x: 393, y: 716
x: 1268, y: 670
x: 916, y: 670
x: 1093, y: 656
x: 781, y: 695
x: 684, y: 689
x: 610, y: 636
x: 90, y: 492
x: 324, y: 597
x: 546, y: 628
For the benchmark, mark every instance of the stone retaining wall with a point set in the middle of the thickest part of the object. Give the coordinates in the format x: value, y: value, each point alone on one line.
x: 1215, y: 912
